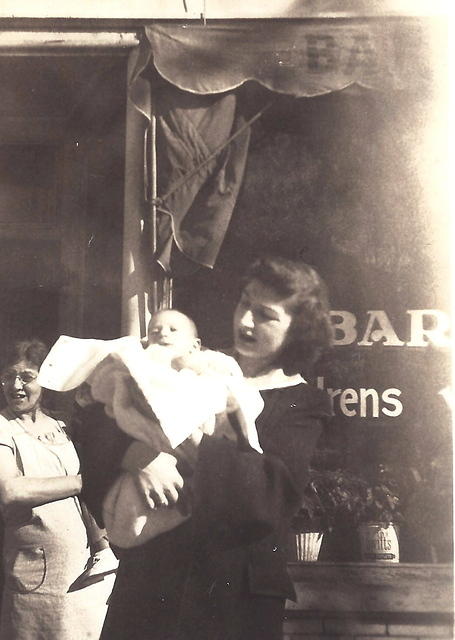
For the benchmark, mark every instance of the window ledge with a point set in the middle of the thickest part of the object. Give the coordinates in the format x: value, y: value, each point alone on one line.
x: 372, y: 588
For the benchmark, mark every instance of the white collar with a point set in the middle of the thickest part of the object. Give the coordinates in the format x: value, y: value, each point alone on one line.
x: 275, y: 379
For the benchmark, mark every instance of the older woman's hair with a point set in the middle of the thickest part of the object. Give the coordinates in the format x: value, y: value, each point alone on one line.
x: 32, y: 351
x: 311, y: 329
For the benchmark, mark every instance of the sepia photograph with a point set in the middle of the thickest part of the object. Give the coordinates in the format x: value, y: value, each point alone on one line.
x: 226, y: 294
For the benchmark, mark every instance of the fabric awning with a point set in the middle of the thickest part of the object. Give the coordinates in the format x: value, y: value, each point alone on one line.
x: 201, y: 165
x: 300, y: 58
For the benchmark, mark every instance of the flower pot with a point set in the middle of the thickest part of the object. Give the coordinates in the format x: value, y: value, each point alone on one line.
x: 378, y: 542
x: 308, y: 545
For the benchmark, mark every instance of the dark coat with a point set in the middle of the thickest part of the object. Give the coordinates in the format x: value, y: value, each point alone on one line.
x: 222, y: 574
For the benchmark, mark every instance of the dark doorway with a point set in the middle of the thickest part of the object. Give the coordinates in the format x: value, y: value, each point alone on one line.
x: 62, y: 125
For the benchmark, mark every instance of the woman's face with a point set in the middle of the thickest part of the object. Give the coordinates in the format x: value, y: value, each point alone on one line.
x: 21, y: 390
x: 262, y: 320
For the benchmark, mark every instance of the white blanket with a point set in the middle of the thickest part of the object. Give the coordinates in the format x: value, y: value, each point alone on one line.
x: 155, y: 404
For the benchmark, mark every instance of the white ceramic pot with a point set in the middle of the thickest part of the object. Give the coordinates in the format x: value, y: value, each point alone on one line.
x: 378, y: 542
x: 308, y: 545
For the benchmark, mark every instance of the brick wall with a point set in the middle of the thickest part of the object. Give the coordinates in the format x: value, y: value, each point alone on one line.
x: 326, y: 628
x: 370, y: 602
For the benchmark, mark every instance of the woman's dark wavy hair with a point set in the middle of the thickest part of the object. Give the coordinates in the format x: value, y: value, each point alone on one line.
x: 32, y: 350
x: 311, y: 329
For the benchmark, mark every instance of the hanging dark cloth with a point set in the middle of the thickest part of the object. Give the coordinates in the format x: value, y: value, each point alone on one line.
x: 196, y: 214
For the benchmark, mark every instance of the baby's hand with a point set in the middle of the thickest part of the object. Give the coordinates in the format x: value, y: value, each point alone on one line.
x: 232, y: 403
x: 196, y: 437
x: 208, y: 428
x: 208, y: 362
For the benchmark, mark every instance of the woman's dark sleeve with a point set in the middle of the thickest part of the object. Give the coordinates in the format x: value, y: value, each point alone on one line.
x: 242, y: 495
x: 102, y: 446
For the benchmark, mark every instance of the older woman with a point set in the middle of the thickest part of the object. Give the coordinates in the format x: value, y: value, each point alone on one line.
x: 222, y: 574
x: 45, y: 541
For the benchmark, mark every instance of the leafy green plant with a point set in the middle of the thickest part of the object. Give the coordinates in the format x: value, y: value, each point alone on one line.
x: 330, y: 496
x: 340, y: 497
x: 381, y: 501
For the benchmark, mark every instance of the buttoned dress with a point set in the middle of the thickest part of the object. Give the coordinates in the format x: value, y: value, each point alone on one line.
x: 45, y: 547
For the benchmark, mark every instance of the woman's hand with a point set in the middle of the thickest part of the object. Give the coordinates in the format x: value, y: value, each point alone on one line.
x: 159, y: 482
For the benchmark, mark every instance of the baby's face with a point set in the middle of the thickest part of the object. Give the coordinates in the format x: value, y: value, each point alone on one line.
x: 173, y: 331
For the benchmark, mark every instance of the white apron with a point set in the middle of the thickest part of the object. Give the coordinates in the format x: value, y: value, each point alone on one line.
x: 45, y: 549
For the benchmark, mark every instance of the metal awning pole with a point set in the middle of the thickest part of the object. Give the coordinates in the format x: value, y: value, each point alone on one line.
x: 135, y: 275
x: 161, y: 293
x: 154, y: 303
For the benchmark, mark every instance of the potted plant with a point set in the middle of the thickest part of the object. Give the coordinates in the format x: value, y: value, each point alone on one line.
x: 378, y: 516
x: 341, y: 499
x: 332, y: 497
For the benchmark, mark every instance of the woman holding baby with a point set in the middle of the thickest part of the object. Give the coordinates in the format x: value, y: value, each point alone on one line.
x: 221, y: 574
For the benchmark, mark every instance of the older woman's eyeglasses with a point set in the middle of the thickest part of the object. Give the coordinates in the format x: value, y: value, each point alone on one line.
x: 10, y: 377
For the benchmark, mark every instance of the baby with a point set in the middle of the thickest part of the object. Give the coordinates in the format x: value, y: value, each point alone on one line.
x: 161, y: 395
x: 214, y: 383
x: 172, y: 337
x: 172, y: 385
